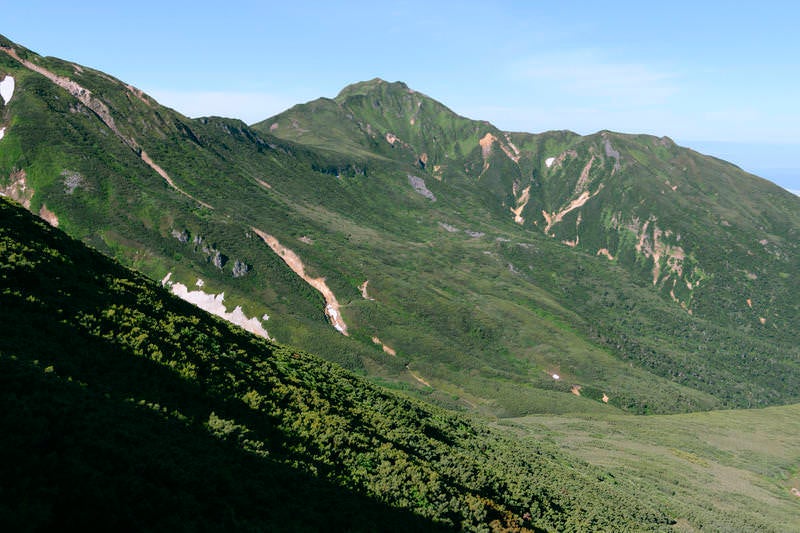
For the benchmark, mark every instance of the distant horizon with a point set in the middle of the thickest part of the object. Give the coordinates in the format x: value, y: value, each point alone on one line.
x: 722, y: 81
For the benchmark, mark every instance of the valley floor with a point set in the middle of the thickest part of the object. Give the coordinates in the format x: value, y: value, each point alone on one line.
x: 720, y: 471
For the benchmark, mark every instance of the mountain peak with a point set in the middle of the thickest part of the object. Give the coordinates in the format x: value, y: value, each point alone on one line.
x: 375, y: 85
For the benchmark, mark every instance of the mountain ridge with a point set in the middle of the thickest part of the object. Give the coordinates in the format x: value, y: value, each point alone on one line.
x: 605, y: 252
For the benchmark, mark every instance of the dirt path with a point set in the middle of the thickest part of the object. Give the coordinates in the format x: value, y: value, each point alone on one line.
x: 332, y: 308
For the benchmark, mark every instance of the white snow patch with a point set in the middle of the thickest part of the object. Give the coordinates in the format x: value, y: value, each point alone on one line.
x: 2, y: 132
x: 556, y: 377
x: 333, y: 314
x: 213, y: 303
x: 7, y: 89
x: 200, y: 282
x: 549, y: 161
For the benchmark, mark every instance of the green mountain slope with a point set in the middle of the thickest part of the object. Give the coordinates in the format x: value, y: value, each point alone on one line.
x: 467, y: 265
x: 717, y: 471
x: 124, y: 407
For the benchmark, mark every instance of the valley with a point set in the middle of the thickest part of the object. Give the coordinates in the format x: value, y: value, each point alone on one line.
x: 582, y: 321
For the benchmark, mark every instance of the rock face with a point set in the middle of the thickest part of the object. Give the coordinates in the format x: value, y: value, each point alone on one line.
x: 419, y: 186
x: 240, y: 268
x: 182, y: 236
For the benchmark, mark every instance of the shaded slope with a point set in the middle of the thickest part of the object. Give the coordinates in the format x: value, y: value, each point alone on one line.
x: 128, y: 407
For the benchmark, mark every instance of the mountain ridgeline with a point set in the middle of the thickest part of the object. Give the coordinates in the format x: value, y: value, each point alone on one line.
x: 499, y: 272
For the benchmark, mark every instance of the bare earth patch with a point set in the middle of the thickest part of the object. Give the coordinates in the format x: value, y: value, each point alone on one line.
x: 17, y: 188
x: 554, y: 218
x: 605, y: 252
x: 48, y: 216
x: 332, y: 308
x: 387, y: 349
x: 363, y: 289
x: 522, y: 201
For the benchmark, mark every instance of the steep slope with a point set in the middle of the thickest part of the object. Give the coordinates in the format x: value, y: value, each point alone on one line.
x: 665, y: 212
x: 124, y: 407
x: 494, y: 261
x: 719, y: 244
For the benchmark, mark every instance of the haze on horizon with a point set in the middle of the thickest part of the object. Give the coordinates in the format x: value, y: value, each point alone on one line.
x: 720, y: 80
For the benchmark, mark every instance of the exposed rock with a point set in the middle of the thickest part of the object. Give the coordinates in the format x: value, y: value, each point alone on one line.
x: 419, y: 186
x: 182, y: 236
x: 240, y: 268
x: 219, y: 260
x: 17, y: 188
x: 72, y: 181
x: 48, y: 216
x: 610, y: 152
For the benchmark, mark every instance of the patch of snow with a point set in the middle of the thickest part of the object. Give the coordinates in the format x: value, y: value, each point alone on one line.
x: 7, y: 89
x: 333, y: 314
x: 549, y: 161
x: 200, y: 282
x: 2, y: 132
x: 556, y: 377
x: 213, y: 303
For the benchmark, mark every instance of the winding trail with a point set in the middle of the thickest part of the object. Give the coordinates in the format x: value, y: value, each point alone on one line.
x: 332, y: 308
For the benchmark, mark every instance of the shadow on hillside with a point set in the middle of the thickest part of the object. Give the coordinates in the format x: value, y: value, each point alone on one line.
x: 73, y: 457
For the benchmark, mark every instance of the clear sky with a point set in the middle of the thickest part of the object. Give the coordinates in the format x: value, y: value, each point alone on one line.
x: 720, y: 77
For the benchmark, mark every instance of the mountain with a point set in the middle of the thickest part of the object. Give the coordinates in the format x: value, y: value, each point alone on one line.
x: 549, y: 285
x: 498, y: 272
x: 124, y: 407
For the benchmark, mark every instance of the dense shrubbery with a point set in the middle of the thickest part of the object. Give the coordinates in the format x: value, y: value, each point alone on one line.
x: 126, y: 407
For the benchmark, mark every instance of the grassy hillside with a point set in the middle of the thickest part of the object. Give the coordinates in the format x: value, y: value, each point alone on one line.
x: 719, y: 471
x: 124, y: 407
x: 633, y: 269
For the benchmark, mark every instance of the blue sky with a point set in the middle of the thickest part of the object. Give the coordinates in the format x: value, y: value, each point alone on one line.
x: 721, y: 79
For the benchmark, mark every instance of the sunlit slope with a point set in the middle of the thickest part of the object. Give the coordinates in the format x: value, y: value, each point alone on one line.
x: 719, y: 471
x: 467, y: 265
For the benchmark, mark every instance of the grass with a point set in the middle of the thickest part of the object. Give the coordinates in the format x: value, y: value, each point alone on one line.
x: 719, y: 471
